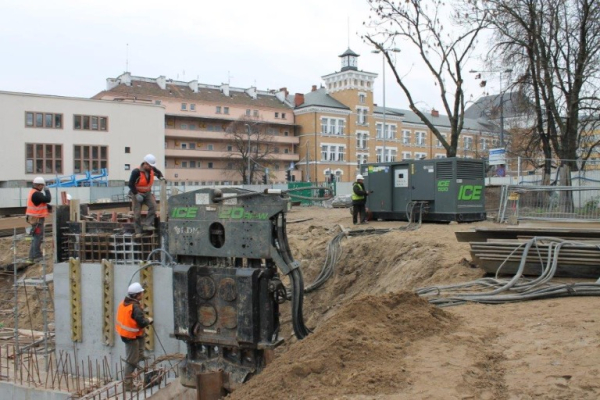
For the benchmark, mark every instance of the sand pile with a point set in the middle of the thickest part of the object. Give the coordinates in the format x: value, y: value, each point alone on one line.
x: 358, y: 351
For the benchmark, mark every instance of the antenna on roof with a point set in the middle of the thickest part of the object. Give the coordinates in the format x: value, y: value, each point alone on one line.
x: 127, y: 57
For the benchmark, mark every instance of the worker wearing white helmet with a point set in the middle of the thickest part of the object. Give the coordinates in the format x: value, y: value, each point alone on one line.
x: 130, y: 325
x: 140, y: 191
x: 36, y: 213
x: 359, y: 200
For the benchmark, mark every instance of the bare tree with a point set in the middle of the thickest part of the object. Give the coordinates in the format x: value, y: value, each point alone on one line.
x: 253, y: 148
x: 556, y: 46
x: 444, y: 47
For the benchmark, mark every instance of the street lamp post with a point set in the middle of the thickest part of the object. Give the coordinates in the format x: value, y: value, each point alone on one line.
x: 507, y: 71
x: 249, y: 162
x: 383, y: 128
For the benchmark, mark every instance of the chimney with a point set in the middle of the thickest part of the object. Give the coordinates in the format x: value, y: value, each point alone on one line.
x: 225, y: 89
x: 298, y: 99
x: 193, y: 85
x: 435, y: 113
x: 252, y: 92
x: 284, y: 89
x: 282, y: 94
x: 161, y: 81
x: 314, y: 88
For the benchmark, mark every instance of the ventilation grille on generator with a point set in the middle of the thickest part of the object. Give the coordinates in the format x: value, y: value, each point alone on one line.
x: 444, y: 170
x: 469, y: 170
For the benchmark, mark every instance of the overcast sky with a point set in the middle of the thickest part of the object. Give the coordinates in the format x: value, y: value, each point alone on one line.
x: 69, y: 48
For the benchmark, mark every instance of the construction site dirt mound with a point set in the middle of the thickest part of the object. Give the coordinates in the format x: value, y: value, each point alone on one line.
x: 358, y: 351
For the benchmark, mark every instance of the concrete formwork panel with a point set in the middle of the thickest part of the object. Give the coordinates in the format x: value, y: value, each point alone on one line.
x: 92, y: 344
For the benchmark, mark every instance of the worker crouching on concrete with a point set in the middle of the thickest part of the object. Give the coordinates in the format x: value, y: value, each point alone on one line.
x: 140, y: 190
x: 130, y: 326
x: 359, y: 200
x: 37, y: 211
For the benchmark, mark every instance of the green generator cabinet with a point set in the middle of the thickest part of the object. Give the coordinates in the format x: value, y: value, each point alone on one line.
x: 448, y: 189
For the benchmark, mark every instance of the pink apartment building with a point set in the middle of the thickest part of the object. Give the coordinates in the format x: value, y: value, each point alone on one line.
x: 198, y: 149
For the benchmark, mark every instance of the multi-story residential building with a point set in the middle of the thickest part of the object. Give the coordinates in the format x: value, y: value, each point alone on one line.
x: 199, y: 146
x: 340, y: 127
x: 52, y: 136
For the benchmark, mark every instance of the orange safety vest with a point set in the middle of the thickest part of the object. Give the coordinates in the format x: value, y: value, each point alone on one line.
x: 142, y: 185
x: 126, y: 325
x: 40, y: 211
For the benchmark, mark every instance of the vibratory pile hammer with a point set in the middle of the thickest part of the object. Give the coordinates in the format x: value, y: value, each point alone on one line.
x: 229, y: 246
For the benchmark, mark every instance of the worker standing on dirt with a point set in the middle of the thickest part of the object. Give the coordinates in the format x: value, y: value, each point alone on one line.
x: 359, y: 200
x: 140, y: 190
x: 130, y: 326
x: 37, y: 211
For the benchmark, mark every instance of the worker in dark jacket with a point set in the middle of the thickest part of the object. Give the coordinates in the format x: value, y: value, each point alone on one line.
x: 37, y: 211
x: 359, y: 200
x: 140, y: 190
x: 130, y: 325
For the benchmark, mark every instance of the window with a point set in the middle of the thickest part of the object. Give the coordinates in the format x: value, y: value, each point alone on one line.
x: 484, y: 144
x: 333, y: 126
x: 468, y: 142
x: 192, y: 127
x: 276, y: 115
x: 89, y: 158
x: 192, y: 146
x: 248, y: 112
x: 183, y: 106
x: 90, y: 123
x: 255, y: 113
x: 192, y: 107
x: 286, y: 151
x: 158, y: 102
x: 439, y: 142
x: 184, y: 146
x: 276, y: 150
x: 43, y: 120
x: 406, y: 155
x: 332, y: 152
x: 210, y: 165
x: 192, y: 164
x: 127, y: 167
x: 406, y: 137
x: 225, y: 110
x: 183, y: 126
x: 209, y: 147
x: 439, y: 155
x: 420, y: 138
x: 283, y: 115
x: 43, y: 158
x: 230, y: 148
x: 361, y: 140
x: 362, y: 98
x: 184, y: 164
x: 390, y: 131
x: 127, y: 150
x: 218, y: 109
x: 286, y: 133
x: 420, y: 156
x: 361, y: 115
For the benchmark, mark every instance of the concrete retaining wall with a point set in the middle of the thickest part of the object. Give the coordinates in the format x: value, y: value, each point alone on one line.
x: 10, y: 391
x: 91, y: 293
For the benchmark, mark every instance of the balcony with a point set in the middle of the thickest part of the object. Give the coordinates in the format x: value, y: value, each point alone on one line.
x: 199, y: 134
x: 214, y: 154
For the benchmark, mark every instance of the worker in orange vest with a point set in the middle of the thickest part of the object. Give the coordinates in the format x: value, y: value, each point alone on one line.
x: 37, y: 211
x: 140, y: 190
x: 130, y: 325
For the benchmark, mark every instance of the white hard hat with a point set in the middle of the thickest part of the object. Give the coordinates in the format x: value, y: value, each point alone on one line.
x: 135, y: 288
x: 359, y: 176
x: 150, y: 159
x: 39, y: 180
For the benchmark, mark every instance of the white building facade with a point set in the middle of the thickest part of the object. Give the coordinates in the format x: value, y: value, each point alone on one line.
x: 52, y: 136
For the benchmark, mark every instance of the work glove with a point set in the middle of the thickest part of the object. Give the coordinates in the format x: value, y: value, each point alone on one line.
x: 139, y: 198
x: 150, y: 320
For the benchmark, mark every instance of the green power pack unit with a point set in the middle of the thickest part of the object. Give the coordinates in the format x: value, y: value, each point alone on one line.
x: 444, y: 190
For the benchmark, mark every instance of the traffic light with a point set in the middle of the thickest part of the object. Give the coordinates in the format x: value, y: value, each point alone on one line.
x: 288, y: 175
x: 265, y: 179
